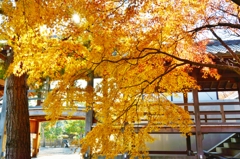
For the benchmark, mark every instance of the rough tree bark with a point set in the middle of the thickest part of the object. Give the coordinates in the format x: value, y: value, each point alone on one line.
x: 18, y: 125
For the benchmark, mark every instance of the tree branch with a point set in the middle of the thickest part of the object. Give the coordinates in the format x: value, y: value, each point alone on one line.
x: 217, y: 66
x: 185, y: 61
x: 236, y: 26
x: 1, y: 11
x: 226, y: 46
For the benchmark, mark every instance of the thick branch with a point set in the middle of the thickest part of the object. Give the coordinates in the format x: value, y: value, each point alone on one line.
x: 217, y: 66
x: 208, y: 26
x: 226, y: 46
x: 185, y: 61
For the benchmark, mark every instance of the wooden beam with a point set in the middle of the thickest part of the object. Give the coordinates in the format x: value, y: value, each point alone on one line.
x: 168, y: 152
x: 219, y: 89
x: 214, y: 119
x: 220, y: 128
x: 205, y: 128
x: 42, y: 118
x: 209, y: 103
x: 220, y: 112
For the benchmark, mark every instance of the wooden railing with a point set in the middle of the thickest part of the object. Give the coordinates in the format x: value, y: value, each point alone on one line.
x: 218, y: 111
x: 215, y: 116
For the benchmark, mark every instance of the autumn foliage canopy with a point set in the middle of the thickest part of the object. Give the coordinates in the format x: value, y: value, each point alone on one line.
x: 140, y: 49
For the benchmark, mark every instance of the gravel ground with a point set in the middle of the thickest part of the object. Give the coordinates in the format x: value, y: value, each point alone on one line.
x: 58, y: 153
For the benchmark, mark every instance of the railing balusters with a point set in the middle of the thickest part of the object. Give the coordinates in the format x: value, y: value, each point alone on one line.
x: 205, y: 117
x: 222, y: 113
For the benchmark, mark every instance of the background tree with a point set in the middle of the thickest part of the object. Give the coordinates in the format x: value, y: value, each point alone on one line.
x: 53, y: 132
x: 72, y: 130
x: 75, y: 128
x: 136, y: 46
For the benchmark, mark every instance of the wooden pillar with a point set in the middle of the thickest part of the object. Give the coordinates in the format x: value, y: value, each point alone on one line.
x: 89, y: 114
x: 188, y: 143
x: 185, y: 100
x: 188, y: 139
x: 198, y: 135
x: 37, y: 140
x: 35, y: 137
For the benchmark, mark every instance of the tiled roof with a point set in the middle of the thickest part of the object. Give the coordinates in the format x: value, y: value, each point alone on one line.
x: 216, y: 47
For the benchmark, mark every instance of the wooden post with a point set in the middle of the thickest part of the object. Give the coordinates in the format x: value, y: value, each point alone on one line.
x: 185, y: 100
x: 205, y: 118
x: 37, y: 140
x: 188, y: 139
x: 198, y: 135
x: 35, y: 137
x: 89, y: 114
x: 223, y: 113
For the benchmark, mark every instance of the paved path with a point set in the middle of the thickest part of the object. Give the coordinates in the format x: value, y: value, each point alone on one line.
x: 58, y: 153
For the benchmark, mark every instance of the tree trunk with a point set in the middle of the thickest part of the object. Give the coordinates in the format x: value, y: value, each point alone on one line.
x: 18, y: 125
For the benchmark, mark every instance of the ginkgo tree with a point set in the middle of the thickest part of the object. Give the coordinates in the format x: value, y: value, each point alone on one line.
x: 142, y: 49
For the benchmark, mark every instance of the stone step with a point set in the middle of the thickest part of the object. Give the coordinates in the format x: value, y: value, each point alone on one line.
x: 227, y: 151
x: 231, y: 145
x: 235, y: 140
